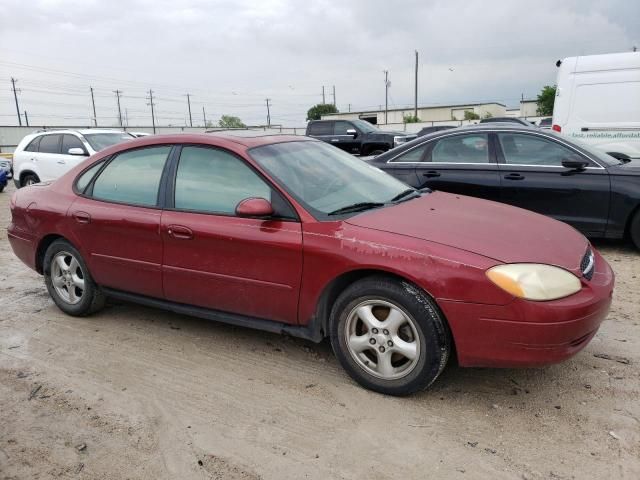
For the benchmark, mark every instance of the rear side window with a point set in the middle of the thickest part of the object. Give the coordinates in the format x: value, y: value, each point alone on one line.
x: 33, y: 145
x: 50, y: 144
x: 462, y: 149
x: 85, y: 178
x: 321, y: 128
x: 133, y: 177
x: 71, y: 141
x: 214, y: 181
x: 520, y: 149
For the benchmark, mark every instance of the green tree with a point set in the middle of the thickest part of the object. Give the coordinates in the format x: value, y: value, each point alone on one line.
x: 470, y: 115
x: 316, y: 112
x: 545, y: 100
x: 410, y: 119
x: 229, y: 121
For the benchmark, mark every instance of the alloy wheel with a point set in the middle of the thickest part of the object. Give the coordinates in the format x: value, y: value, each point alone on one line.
x: 67, y: 277
x: 382, y: 339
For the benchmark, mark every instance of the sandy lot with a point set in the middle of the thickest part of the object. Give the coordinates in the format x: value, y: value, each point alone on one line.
x: 142, y: 394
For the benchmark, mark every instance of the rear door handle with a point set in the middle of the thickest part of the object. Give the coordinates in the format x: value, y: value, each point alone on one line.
x: 431, y: 174
x: 179, y: 232
x: 335, y: 139
x: 82, y: 217
x: 514, y: 176
x: 61, y: 162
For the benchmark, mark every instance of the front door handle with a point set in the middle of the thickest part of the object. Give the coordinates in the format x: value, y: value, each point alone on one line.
x: 431, y: 174
x: 335, y: 139
x: 179, y: 232
x: 514, y: 176
x: 61, y: 162
x: 82, y: 217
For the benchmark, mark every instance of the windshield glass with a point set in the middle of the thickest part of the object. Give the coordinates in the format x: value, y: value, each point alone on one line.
x: 100, y: 141
x: 364, y: 126
x: 599, y: 155
x: 325, y: 179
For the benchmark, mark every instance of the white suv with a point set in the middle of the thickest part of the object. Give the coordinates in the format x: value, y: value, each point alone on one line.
x: 47, y: 155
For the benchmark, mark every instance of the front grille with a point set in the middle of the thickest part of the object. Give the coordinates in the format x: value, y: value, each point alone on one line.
x: 588, y: 263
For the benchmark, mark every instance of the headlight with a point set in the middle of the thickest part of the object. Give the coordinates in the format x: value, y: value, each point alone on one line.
x: 534, y: 281
x: 399, y: 140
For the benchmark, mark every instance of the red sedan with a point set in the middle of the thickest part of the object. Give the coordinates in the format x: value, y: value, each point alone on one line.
x: 289, y: 234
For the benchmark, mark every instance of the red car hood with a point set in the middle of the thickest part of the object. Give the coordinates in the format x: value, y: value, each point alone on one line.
x: 491, y: 229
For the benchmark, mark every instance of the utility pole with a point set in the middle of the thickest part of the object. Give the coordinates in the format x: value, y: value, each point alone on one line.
x: 415, y: 99
x: 26, y: 118
x: 93, y: 102
x: 386, y: 95
x: 269, y: 113
x: 204, y: 116
x: 118, y: 93
x: 323, y: 95
x: 15, y: 96
x: 189, y: 104
x: 153, y: 116
x: 349, y: 107
x: 334, y: 95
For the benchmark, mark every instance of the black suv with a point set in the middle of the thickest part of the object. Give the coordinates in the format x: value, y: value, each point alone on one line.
x: 356, y: 136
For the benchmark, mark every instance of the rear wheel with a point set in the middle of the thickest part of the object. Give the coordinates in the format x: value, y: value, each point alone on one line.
x: 68, y: 280
x: 634, y: 229
x: 376, y: 152
x: 29, y: 179
x: 389, y: 336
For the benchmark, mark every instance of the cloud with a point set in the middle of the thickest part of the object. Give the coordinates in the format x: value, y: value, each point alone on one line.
x: 232, y: 55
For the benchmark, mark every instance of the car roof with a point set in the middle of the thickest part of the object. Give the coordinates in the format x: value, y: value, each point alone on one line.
x: 74, y: 130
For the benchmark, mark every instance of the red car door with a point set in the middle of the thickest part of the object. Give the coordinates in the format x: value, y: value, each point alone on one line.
x: 117, y: 222
x: 215, y: 259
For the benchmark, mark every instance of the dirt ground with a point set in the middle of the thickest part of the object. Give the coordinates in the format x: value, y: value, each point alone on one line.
x: 138, y: 393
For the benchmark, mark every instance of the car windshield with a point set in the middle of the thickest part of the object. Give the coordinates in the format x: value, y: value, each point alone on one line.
x: 100, y: 141
x: 326, y: 180
x: 365, y: 126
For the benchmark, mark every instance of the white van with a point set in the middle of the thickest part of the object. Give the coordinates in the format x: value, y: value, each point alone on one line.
x: 598, y: 102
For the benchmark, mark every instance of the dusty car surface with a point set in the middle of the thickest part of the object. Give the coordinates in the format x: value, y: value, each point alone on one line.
x: 288, y: 234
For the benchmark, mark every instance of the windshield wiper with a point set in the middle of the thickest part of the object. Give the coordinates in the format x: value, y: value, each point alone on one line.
x: 357, y: 207
x: 403, y: 194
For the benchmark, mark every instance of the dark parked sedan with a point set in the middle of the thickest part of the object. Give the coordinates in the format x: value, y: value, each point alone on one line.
x: 529, y: 168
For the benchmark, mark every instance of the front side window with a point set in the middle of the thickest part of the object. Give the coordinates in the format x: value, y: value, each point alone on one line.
x: 50, y: 144
x: 214, y: 181
x: 132, y: 177
x: 412, y: 156
x: 71, y: 141
x: 462, y: 149
x: 325, y: 179
x: 340, y: 128
x: 522, y: 149
x: 33, y: 145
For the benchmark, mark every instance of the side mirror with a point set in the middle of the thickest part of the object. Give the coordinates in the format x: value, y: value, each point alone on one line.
x: 77, y: 151
x: 254, y: 207
x: 353, y: 132
x: 574, y: 164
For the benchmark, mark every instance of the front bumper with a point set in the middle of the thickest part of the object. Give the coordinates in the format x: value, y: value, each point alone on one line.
x: 526, y: 333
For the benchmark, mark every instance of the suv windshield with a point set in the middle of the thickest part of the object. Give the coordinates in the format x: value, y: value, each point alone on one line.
x: 325, y: 179
x: 365, y: 126
x: 100, y: 141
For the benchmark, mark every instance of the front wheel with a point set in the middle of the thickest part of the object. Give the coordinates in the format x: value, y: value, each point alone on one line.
x: 389, y: 336
x: 29, y: 179
x: 68, y: 280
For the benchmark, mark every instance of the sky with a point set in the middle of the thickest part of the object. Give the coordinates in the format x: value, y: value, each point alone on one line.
x: 232, y: 55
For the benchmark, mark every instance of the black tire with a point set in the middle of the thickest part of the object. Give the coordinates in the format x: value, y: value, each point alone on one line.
x: 376, y: 152
x: 2, y: 188
x: 29, y: 179
x: 428, y: 328
x: 634, y: 229
x: 90, y: 298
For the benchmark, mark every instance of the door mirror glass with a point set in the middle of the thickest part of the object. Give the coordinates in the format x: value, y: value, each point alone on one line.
x: 352, y: 132
x: 254, y: 207
x: 574, y: 163
x: 76, y: 151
